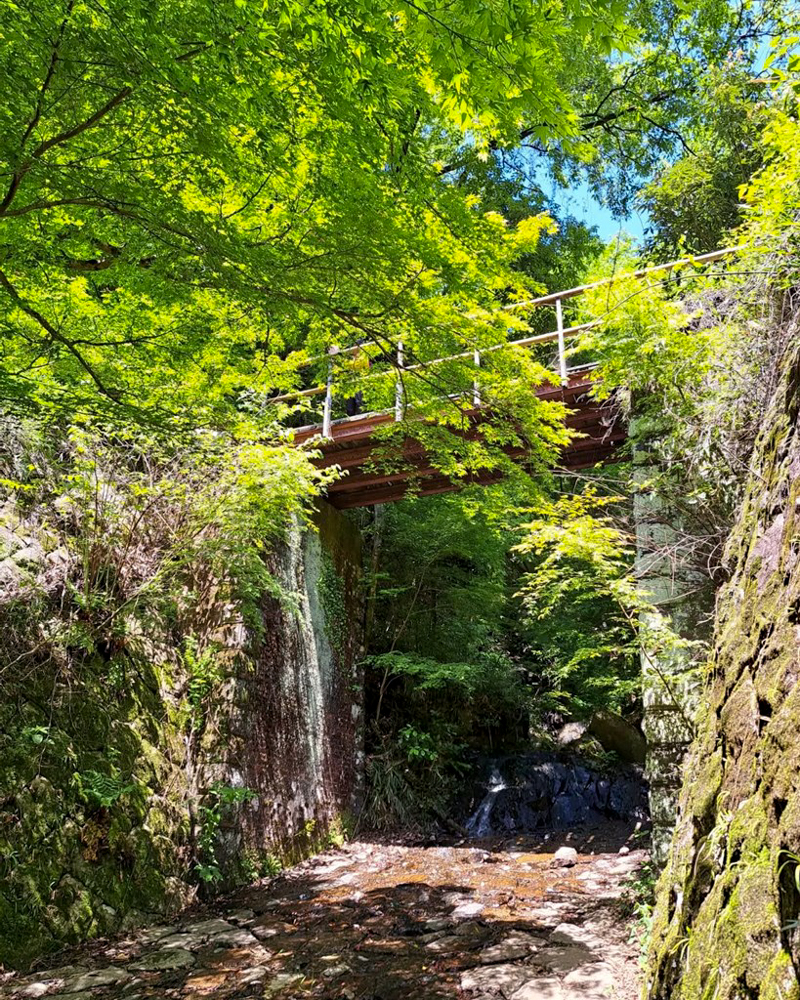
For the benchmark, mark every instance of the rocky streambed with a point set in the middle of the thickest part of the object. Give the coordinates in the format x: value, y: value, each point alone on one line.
x: 518, y: 919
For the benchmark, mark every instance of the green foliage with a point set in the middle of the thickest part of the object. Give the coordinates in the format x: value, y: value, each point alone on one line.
x: 103, y: 790
x: 204, y: 672
x: 636, y: 903
x: 441, y: 582
x: 584, y: 605
x: 238, y: 200
x: 411, y: 778
x: 694, y: 201
x: 334, y: 605
x: 769, y: 234
x: 638, y: 112
x: 217, y: 805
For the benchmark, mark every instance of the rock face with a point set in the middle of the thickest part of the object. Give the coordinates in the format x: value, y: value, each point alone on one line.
x: 726, y: 923
x: 532, y: 791
x: 106, y: 767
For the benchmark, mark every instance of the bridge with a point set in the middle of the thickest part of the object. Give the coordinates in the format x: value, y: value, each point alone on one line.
x: 351, y: 443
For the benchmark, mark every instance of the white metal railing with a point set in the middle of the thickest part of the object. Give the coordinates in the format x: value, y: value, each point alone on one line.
x: 560, y: 335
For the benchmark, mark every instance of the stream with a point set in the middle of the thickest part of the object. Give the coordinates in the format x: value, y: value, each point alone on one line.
x: 517, y: 915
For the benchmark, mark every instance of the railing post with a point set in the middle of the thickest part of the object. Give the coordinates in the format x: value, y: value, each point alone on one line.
x: 398, y: 387
x: 326, y: 413
x: 562, y: 353
x: 476, y: 389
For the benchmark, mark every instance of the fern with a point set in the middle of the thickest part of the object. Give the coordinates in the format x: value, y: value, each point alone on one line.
x: 103, y: 790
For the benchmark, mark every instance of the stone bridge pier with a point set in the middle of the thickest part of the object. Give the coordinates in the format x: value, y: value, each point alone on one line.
x: 670, y: 676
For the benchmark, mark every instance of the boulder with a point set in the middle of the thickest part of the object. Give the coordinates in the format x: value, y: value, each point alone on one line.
x: 570, y: 733
x: 618, y: 736
x: 565, y: 857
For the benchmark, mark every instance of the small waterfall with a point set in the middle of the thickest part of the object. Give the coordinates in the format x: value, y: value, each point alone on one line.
x: 479, y: 824
x: 538, y: 790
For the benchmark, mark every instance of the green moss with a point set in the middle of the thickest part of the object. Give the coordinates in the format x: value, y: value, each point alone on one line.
x: 779, y: 982
x: 748, y: 831
x: 332, y: 597
x: 708, y: 782
x: 84, y: 842
x: 741, y: 797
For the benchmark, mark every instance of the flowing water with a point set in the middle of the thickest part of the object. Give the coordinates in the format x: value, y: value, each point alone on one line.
x: 531, y: 792
x: 479, y: 823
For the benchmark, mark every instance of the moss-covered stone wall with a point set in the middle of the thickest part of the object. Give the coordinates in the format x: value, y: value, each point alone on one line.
x: 726, y: 924
x: 293, y: 720
x: 130, y: 773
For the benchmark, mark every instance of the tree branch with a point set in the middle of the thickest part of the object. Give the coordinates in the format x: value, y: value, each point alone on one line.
x: 59, y: 338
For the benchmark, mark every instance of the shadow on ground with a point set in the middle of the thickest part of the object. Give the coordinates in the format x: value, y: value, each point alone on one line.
x: 388, y: 922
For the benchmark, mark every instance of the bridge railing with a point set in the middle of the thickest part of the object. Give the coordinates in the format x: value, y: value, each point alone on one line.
x: 560, y: 336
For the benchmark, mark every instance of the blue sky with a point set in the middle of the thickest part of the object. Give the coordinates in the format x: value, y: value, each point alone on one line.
x: 581, y: 203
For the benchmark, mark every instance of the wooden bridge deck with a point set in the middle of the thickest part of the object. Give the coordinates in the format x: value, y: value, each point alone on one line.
x: 351, y: 444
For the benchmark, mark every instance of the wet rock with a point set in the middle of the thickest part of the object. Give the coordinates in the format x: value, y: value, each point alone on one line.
x: 565, y: 857
x: 164, y: 960
x: 534, y: 791
x: 576, y: 954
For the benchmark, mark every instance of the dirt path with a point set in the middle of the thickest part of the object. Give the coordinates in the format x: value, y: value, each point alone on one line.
x: 376, y: 922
